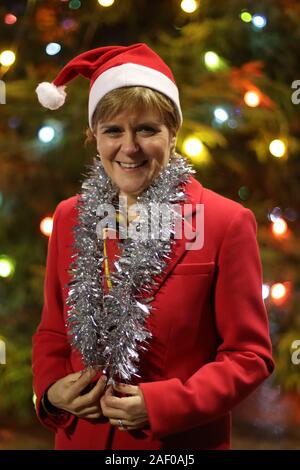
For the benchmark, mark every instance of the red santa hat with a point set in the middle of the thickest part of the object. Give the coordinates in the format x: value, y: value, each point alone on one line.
x: 108, y: 68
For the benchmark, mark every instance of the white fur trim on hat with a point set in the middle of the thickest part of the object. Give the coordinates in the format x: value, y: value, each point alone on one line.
x: 131, y: 75
x: 50, y: 96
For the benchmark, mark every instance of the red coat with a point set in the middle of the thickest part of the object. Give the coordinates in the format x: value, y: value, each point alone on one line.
x: 210, y: 346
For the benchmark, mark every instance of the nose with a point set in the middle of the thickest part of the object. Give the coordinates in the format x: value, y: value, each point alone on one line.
x: 129, y: 143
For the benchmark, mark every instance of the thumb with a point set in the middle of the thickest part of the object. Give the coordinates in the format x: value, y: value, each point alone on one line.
x: 127, y: 389
x: 81, y: 380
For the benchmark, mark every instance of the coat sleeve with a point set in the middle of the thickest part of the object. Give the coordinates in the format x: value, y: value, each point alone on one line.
x: 51, y: 350
x: 243, y: 359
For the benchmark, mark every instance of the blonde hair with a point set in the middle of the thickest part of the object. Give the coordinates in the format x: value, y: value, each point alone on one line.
x: 134, y: 98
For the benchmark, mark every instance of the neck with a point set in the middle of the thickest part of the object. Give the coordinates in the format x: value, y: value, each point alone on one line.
x: 130, y: 199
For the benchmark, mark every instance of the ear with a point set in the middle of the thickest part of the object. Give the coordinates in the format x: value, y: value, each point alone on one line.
x: 173, y: 142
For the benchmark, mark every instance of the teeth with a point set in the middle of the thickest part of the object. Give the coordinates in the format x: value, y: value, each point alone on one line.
x: 130, y: 165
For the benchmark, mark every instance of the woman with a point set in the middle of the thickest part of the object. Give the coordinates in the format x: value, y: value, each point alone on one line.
x: 176, y: 323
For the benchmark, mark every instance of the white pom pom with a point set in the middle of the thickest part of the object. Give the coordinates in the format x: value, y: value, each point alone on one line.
x: 51, y: 96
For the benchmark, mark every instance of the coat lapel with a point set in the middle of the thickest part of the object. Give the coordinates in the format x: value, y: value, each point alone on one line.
x: 194, y: 196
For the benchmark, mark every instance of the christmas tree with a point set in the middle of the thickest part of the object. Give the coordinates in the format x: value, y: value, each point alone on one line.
x: 236, y: 64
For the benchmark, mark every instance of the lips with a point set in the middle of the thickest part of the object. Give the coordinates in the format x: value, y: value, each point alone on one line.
x: 131, y: 166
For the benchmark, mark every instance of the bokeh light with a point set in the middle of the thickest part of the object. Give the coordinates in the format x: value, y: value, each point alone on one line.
x: 265, y: 291
x: 53, y: 48
x: 7, y: 266
x: 9, y: 18
x: 212, y: 60
x: 106, y: 3
x: 74, y: 4
x: 189, y: 6
x: 246, y: 16
x: 7, y: 58
x: 277, y: 148
x: 252, y: 99
x: 259, y: 21
x: 192, y: 147
x: 221, y: 114
x: 278, y: 291
x: 46, y: 134
x: 46, y: 226
x: 279, y: 227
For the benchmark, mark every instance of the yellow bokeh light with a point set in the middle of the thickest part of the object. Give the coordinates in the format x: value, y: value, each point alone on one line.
x: 46, y: 226
x: 106, y: 3
x: 193, y: 147
x: 278, y: 291
x: 189, y: 6
x: 212, y: 60
x: 7, y: 266
x: 246, y: 16
x: 277, y: 148
x: 279, y: 227
x: 252, y: 99
x: 7, y: 58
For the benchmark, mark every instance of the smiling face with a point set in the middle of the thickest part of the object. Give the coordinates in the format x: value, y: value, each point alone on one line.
x: 134, y: 147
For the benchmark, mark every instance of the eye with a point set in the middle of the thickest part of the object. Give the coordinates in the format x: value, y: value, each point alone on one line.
x: 147, y: 129
x: 112, y: 130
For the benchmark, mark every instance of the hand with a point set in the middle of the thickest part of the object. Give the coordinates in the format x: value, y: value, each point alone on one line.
x: 66, y: 394
x: 130, y: 409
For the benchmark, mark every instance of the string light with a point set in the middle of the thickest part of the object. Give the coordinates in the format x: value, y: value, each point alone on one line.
x: 7, y: 58
x: 10, y: 19
x: 74, y: 4
x: 106, y: 3
x: 265, y: 291
x: 246, y: 16
x: 53, y: 48
x: 277, y: 148
x: 69, y: 24
x: 46, y: 134
x: 7, y: 266
x: 252, y: 99
x: 46, y: 226
x: 244, y: 193
x: 232, y: 123
x: 220, y: 114
x: 195, y: 150
x: 279, y: 227
x: 275, y: 214
x: 212, y: 60
x: 259, y: 21
x: 189, y: 6
x: 278, y: 291
x: 193, y: 147
x: 290, y: 214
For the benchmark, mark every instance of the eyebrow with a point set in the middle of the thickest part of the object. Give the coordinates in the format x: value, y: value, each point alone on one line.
x: 145, y: 123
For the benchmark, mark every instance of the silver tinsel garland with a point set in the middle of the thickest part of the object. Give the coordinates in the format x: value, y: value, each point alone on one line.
x: 109, y: 329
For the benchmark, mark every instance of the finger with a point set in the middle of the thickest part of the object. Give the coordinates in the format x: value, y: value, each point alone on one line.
x: 88, y: 410
x: 112, y: 413
x: 127, y: 426
x: 128, y: 389
x: 82, y: 381
x: 91, y: 416
x: 93, y: 395
x: 110, y: 401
